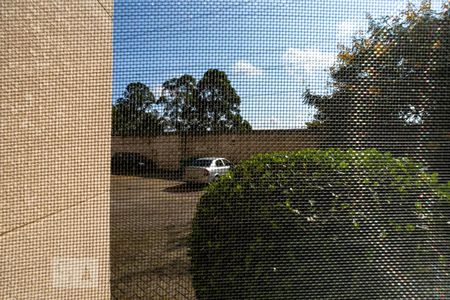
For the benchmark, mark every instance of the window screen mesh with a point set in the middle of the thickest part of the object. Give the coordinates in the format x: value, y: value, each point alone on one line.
x: 275, y: 150
x: 197, y: 82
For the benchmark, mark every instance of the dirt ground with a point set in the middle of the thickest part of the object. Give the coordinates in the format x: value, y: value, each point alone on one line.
x: 150, y: 222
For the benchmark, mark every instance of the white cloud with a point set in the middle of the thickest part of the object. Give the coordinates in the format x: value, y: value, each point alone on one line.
x: 349, y: 28
x: 246, y: 68
x: 309, y: 60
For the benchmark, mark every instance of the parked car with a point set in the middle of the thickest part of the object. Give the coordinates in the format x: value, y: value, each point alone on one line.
x: 206, y: 169
x: 131, y: 163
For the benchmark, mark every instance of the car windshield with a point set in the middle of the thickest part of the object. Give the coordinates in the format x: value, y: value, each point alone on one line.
x: 201, y: 163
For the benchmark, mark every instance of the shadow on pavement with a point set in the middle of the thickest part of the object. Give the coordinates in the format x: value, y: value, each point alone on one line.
x: 184, y: 188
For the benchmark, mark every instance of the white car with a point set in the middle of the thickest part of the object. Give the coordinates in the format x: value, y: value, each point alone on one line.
x: 206, y: 169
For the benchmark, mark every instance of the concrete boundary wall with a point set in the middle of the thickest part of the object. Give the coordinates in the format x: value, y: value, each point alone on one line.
x: 167, y: 150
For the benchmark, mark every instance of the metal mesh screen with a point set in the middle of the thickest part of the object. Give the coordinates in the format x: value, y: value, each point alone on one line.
x: 250, y: 149
x: 200, y: 88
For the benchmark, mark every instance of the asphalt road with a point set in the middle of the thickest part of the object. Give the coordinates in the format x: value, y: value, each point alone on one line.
x: 150, y: 222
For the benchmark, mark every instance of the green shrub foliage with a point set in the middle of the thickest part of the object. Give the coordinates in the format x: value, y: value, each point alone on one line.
x: 323, y: 224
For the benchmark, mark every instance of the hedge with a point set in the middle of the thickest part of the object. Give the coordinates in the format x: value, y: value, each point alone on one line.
x: 321, y: 224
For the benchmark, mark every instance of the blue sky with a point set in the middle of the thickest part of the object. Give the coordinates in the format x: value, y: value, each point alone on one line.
x: 271, y: 49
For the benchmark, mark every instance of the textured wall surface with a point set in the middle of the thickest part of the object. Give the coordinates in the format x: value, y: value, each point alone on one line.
x: 167, y: 150
x: 55, y: 98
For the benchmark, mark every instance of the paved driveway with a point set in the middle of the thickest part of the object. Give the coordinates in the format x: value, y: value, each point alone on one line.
x: 150, y: 222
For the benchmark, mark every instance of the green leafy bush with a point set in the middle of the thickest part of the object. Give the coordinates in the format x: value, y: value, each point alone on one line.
x: 324, y: 224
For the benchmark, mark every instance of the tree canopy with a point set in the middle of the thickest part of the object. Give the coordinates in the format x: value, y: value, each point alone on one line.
x: 134, y: 113
x: 211, y: 104
x: 178, y: 100
x: 391, y: 87
x: 185, y: 105
x: 218, y: 103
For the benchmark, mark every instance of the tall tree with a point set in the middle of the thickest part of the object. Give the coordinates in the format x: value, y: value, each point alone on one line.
x: 212, y: 104
x: 392, y: 87
x: 219, y: 103
x: 178, y: 100
x: 135, y: 113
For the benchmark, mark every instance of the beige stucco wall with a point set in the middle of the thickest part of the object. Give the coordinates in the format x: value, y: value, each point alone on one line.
x: 167, y: 150
x: 55, y: 98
